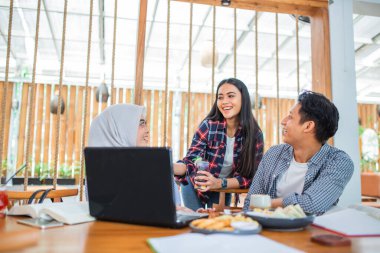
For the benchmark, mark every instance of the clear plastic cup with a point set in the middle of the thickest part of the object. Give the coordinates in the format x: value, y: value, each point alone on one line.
x: 201, y: 166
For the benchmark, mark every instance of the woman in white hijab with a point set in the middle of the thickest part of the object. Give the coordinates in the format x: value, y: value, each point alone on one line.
x: 122, y: 125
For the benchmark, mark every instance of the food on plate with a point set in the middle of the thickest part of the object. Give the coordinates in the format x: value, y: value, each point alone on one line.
x: 224, y: 223
x: 292, y: 211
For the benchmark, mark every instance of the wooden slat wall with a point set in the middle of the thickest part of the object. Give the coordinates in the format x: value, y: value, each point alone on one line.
x: 22, y: 126
x: 71, y: 120
x: 39, y: 123
x: 7, y: 116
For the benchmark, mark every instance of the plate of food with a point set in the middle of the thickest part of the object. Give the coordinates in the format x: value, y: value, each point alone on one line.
x: 226, y: 224
x: 288, y: 218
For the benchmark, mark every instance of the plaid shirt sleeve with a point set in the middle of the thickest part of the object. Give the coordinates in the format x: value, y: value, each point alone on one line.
x: 244, y: 182
x: 258, y: 185
x: 197, y: 149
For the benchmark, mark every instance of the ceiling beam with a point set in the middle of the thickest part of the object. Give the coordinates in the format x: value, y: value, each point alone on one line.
x: 366, y: 8
x: 151, y: 26
x: 57, y: 51
x: 241, y: 38
x: 102, y: 55
x: 196, y: 37
x: 300, y: 7
x: 6, y: 43
x: 27, y: 34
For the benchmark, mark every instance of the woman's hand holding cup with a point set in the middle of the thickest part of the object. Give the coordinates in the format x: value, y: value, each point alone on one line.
x: 199, y: 180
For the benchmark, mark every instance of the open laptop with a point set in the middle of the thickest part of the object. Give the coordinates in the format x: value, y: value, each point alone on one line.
x: 133, y: 185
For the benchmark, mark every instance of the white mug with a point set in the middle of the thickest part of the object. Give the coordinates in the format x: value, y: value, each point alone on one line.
x: 260, y: 201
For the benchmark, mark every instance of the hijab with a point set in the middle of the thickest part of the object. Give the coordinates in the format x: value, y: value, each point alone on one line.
x: 116, y: 126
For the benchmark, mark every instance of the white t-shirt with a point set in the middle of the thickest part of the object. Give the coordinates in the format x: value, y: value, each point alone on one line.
x: 228, y: 158
x: 292, y: 180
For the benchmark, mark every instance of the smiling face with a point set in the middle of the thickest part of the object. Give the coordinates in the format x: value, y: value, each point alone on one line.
x: 142, y: 134
x: 293, y: 131
x: 229, y: 101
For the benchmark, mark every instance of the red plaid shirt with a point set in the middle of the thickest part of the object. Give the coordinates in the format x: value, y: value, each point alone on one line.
x: 209, y: 142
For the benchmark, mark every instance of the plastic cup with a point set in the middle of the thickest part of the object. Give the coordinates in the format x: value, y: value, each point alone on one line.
x: 260, y: 201
x: 201, y: 166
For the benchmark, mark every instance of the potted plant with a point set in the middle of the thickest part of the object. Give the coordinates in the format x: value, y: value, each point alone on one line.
x: 43, y: 176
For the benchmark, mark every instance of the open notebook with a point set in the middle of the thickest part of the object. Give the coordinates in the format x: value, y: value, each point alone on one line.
x: 353, y: 222
x: 68, y: 213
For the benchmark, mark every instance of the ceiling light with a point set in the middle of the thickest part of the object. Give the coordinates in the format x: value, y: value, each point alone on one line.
x: 226, y: 2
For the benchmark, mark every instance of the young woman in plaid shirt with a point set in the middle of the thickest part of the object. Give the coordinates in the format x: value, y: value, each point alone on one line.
x: 230, y: 139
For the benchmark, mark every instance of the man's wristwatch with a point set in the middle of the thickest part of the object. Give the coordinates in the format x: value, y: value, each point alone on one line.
x: 224, y: 183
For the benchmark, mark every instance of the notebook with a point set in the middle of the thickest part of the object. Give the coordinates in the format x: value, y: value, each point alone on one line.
x: 133, y: 185
x: 351, y: 222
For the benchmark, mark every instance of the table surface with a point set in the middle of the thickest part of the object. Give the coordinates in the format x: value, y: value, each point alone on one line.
x: 100, y: 236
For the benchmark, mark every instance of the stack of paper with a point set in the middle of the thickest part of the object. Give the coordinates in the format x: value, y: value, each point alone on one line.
x: 349, y: 222
x: 221, y: 243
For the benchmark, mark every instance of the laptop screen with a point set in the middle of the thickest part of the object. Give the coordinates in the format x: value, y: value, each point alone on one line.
x: 132, y: 185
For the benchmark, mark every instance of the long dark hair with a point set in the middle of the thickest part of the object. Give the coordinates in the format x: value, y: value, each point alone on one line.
x: 247, y: 166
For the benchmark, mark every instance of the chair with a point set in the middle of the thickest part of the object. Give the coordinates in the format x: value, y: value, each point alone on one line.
x: 37, y: 193
x: 222, y: 198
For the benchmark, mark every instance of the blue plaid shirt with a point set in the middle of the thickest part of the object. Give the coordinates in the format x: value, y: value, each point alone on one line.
x: 210, y: 142
x: 329, y: 170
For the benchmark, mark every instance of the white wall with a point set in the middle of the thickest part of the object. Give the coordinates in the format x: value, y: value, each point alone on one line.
x: 344, y: 91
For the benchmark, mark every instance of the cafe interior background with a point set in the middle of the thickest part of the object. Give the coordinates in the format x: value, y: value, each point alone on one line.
x: 172, y: 64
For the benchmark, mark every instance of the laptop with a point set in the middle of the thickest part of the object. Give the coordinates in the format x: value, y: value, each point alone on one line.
x: 133, y: 185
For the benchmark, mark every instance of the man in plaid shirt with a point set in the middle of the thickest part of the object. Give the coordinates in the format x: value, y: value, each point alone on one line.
x: 305, y: 170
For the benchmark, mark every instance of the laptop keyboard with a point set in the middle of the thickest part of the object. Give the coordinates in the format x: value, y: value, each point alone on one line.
x: 184, y: 217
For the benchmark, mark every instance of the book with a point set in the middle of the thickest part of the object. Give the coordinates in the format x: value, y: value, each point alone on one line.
x: 221, y: 243
x: 354, y: 221
x: 69, y: 213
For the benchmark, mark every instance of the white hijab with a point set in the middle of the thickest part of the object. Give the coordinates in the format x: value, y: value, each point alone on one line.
x: 116, y: 126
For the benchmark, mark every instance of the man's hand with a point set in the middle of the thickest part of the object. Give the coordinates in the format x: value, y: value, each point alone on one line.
x: 277, y: 203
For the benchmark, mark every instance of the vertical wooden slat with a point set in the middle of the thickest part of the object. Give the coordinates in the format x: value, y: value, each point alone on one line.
x: 148, y: 113
x: 71, y: 126
x: 32, y: 126
x: 269, y: 125
x: 170, y: 119
x: 140, y: 51
x: 320, y: 52
x: 22, y: 126
x: 8, y: 109
x: 47, y: 121
x: 192, y: 118
x: 182, y: 124
x: 155, y: 118
x: 121, y: 91
x: 63, y: 130
x: 39, y: 115
x: 163, y: 108
x: 88, y: 115
x: 128, y: 96
x: 78, y: 124
x: 95, y: 104
x: 53, y: 133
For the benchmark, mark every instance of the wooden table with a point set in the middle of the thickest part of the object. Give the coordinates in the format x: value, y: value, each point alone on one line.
x: 117, y: 237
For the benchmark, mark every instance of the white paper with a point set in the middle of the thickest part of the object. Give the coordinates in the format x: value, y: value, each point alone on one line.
x: 349, y: 222
x: 220, y: 243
